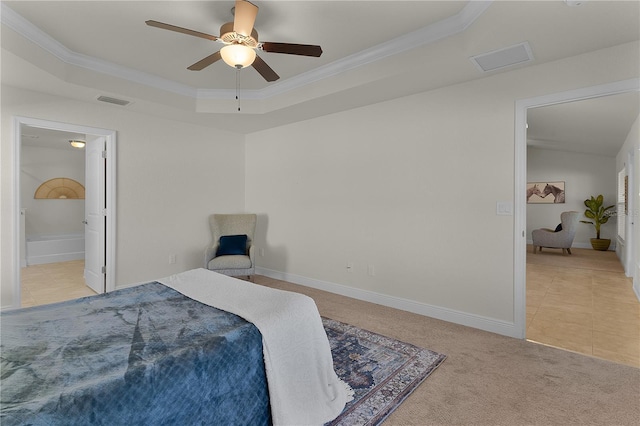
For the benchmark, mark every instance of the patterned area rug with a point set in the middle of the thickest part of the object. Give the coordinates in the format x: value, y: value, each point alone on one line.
x: 382, y: 371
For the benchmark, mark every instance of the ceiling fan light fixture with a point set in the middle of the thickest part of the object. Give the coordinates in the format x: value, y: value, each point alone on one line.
x: 238, y: 55
x: 77, y: 143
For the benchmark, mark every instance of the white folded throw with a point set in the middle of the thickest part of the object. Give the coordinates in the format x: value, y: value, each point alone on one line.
x: 303, y: 387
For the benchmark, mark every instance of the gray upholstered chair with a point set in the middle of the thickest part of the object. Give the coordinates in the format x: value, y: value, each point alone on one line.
x: 557, y: 239
x: 234, y: 256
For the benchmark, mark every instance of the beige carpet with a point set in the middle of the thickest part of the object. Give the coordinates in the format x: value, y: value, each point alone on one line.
x: 489, y: 379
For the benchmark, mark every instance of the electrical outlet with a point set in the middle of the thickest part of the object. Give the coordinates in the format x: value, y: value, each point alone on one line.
x: 349, y: 266
x: 172, y: 259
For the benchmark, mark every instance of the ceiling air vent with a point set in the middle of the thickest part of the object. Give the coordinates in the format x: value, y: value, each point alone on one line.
x: 111, y: 100
x: 501, y: 58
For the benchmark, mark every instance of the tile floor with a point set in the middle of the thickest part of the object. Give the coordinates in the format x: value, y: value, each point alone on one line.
x: 583, y: 303
x: 53, y: 282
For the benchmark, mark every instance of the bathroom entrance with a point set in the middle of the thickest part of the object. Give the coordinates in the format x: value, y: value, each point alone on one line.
x: 66, y: 191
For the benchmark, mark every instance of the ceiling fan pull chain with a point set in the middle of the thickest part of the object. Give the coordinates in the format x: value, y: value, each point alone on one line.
x: 238, y: 87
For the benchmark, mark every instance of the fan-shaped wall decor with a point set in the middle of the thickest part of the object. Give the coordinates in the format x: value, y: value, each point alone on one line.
x: 60, y: 188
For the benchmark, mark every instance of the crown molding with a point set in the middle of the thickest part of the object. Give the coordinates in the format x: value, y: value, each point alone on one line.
x: 34, y: 34
x: 429, y: 34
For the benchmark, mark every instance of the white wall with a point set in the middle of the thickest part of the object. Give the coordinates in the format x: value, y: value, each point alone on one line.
x: 409, y: 187
x: 49, y: 217
x: 171, y: 176
x: 584, y: 175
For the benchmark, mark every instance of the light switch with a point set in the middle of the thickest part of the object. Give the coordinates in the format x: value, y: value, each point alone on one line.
x: 504, y: 208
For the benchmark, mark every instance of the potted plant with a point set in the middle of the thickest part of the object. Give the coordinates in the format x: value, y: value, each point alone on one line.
x: 599, y: 215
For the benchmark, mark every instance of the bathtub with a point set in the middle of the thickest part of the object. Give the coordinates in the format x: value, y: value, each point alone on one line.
x: 54, y: 248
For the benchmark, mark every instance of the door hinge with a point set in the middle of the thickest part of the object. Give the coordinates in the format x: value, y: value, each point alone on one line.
x: 103, y: 212
x: 104, y: 154
x: 104, y: 269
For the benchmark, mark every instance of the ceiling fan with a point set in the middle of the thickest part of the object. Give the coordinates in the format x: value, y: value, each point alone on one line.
x: 240, y: 41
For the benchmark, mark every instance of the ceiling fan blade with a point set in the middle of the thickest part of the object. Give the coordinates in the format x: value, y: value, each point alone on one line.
x: 265, y: 70
x: 203, y: 63
x: 245, y: 17
x: 292, y: 49
x: 170, y: 27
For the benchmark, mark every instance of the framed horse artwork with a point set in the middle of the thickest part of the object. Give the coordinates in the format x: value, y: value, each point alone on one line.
x: 545, y: 192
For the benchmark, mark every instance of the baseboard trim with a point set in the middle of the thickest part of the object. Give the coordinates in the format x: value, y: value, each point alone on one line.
x: 54, y: 258
x: 612, y: 247
x: 470, y: 320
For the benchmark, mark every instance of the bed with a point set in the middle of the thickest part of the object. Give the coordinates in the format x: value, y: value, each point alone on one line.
x: 194, y: 348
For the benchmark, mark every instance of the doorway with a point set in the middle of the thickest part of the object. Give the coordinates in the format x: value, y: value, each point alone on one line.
x: 103, y: 189
x: 52, y: 233
x: 520, y: 219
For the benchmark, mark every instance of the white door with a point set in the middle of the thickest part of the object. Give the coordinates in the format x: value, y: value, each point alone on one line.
x: 95, y: 214
x: 630, y: 245
x: 634, y: 210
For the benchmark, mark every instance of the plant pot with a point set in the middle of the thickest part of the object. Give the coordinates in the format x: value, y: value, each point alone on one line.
x: 601, y: 244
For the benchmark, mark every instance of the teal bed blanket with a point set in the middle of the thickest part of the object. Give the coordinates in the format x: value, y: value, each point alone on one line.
x: 145, y: 355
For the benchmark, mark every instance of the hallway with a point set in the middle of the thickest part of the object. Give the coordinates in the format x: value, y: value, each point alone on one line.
x: 583, y: 303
